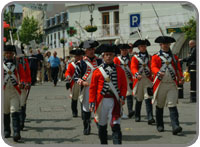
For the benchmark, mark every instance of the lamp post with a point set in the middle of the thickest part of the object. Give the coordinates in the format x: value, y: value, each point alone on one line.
x: 11, y: 10
x: 91, y: 9
x: 64, y: 24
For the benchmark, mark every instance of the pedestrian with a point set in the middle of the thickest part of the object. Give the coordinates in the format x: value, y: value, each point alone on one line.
x: 67, y: 61
x: 83, y: 74
x: 191, y: 63
x: 124, y: 60
x: 142, y: 86
x: 107, y: 94
x: 48, y: 66
x: 69, y: 75
x: 167, y: 75
x: 33, y: 63
x: 13, y: 79
x: 55, y: 64
x: 23, y: 61
x: 61, y: 69
x: 40, y: 71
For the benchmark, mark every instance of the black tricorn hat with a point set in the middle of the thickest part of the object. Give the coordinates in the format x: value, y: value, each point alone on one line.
x: 107, y: 48
x: 88, y: 44
x: 9, y: 48
x: 123, y: 46
x: 164, y: 39
x: 141, y: 42
x: 77, y: 51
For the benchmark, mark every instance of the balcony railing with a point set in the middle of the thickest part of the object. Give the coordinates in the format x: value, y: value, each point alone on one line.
x: 107, y: 30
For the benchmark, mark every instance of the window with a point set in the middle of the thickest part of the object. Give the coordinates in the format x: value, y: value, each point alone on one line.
x: 105, y: 24
x: 116, y: 22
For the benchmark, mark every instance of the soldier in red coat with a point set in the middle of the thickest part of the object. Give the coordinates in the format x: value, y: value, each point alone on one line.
x: 167, y: 74
x: 140, y: 67
x: 69, y: 75
x: 124, y: 61
x: 107, y: 93
x: 83, y: 74
x: 23, y: 61
x: 13, y: 82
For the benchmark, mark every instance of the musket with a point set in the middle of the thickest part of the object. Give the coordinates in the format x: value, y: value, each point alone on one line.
x: 174, y: 60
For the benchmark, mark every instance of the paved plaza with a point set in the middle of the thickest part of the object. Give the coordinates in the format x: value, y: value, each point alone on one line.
x: 49, y: 121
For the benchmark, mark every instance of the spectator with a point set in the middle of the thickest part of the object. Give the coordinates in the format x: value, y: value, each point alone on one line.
x: 55, y: 64
x: 33, y: 63
x: 40, y: 67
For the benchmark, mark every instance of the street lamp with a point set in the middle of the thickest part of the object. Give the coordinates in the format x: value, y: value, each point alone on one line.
x: 64, y: 24
x: 11, y: 10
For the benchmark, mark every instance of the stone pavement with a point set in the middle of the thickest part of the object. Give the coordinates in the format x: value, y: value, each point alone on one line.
x: 49, y: 121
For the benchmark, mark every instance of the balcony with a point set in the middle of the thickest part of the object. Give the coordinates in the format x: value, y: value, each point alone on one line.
x: 107, y: 30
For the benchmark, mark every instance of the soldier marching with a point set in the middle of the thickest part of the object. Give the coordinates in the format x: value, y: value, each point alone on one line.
x: 97, y: 84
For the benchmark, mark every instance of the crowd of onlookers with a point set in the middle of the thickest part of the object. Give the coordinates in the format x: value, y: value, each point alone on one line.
x: 47, y: 67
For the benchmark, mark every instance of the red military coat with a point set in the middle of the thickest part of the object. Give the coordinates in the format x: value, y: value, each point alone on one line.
x: 19, y: 75
x: 96, y: 87
x: 27, y: 71
x: 135, y: 69
x: 156, y: 66
x: 70, y: 72
x: 118, y: 62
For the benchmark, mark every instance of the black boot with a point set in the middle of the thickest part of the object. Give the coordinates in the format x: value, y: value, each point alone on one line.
x: 138, y: 106
x: 7, y: 130
x: 16, y: 126
x: 117, y: 134
x: 103, y: 134
x: 130, y: 106
x: 86, y: 123
x: 74, y: 108
x: 159, y: 119
x: 174, y: 120
x: 22, y: 116
x: 149, y: 110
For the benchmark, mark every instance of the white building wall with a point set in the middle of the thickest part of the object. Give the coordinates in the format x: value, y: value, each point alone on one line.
x: 170, y: 15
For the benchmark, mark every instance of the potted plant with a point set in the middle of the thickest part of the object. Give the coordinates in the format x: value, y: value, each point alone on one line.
x: 62, y: 40
x: 90, y: 28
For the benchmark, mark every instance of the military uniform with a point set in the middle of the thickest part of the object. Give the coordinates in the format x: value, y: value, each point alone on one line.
x: 27, y: 79
x: 105, y: 92
x: 13, y: 75
x: 74, y: 87
x: 165, y: 88
x: 140, y: 65
x: 83, y: 72
x: 125, y: 63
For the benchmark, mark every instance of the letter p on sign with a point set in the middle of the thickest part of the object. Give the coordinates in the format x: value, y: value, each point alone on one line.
x: 134, y: 20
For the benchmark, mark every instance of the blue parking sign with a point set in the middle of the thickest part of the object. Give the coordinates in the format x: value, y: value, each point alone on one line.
x: 134, y: 20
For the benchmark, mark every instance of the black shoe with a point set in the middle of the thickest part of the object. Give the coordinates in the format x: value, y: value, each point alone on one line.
x: 75, y: 114
x: 137, y: 119
x: 177, y: 130
x: 150, y: 122
x: 16, y: 136
x: 160, y: 128
x: 131, y: 114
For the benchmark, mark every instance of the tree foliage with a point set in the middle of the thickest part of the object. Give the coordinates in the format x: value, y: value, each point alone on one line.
x: 30, y: 31
x: 190, y: 29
